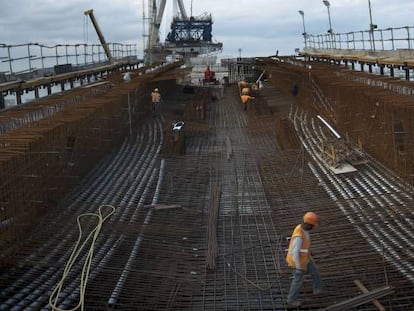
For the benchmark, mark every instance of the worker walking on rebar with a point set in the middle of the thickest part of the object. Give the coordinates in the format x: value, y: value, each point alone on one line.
x: 300, y: 259
x: 246, y: 98
x: 156, y: 100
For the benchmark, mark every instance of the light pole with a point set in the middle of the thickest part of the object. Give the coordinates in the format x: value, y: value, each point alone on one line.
x: 305, y: 35
x: 371, y: 27
x: 327, y: 4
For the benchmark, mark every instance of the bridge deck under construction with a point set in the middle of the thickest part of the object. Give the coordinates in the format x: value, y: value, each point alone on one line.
x: 204, y: 227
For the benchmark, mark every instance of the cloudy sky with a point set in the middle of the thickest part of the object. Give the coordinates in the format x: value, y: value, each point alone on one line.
x: 258, y: 27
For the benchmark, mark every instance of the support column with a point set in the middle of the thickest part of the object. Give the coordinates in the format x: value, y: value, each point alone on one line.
x: 391, y: 71
x: 2, y: 102
x: 18, y: 97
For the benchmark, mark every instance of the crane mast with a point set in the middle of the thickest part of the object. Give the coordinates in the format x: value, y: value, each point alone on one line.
x: 156, y: 14
x: 189, y: 36
x: 99, y: 33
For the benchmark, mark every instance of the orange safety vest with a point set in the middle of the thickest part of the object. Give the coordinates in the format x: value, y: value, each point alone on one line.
x: 155, y: 97
x: 245, y: 98
x: 305, y: 250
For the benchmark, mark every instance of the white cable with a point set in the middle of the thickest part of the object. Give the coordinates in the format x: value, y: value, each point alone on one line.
x: 53, y: 299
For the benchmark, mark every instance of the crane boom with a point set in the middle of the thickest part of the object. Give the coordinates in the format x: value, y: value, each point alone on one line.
x: 182, y: 9
x: 160, y: 12
x: 99, y: 33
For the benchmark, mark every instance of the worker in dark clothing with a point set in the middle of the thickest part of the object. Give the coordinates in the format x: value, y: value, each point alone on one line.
x: 300, y: 259
x: 295, y: 89
x: 209, y: 75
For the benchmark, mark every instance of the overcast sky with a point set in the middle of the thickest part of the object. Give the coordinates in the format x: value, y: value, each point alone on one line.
x: 258, y: 27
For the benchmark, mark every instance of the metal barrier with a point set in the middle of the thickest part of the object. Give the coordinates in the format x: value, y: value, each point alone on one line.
x: 30, y: 57
x: 374, y: 39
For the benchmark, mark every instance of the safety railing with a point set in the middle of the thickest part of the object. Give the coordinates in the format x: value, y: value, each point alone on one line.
x: 29, y: 57
x: 374, y: 39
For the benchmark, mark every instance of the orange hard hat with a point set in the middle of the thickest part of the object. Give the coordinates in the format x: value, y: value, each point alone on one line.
x: 311, y: 218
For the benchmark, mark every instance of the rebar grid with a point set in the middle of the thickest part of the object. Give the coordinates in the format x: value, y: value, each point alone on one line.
x: 45, y: 156
x: 366, y: 221
x: 373, y: 111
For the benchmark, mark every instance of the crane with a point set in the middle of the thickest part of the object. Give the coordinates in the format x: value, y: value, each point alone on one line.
x: 156, y: 11
x: 99, y: 33
x: 156, y: 14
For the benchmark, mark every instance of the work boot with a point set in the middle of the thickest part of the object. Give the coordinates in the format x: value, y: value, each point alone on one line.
x: 294, y: 304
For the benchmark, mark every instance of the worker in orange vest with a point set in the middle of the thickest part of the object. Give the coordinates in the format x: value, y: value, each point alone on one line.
x: 300, y: 259
x: 156, y: 100
x: 245, y: 97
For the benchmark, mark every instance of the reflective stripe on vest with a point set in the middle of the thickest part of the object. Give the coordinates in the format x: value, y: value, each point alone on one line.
x: 304, y: 254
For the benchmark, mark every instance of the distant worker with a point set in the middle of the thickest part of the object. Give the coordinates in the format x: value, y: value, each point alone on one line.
x: 300, y: 259
x: 245, y: 99
x: 209, y: 75
x: 127, y: 77
x: 245, y: 91
x: 295, y: 89
x: 254, y: 89
x: 242, y: 84
x: 156, y: 100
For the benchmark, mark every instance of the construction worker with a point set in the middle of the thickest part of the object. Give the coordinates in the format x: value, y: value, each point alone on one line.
x: 127, y: 77
x: 209, y: 75
x: 295, y: 89
x: 300, y: 259
x: 245, y: 97
x: 242, y: 84
x: 156, y: 100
